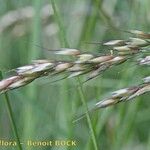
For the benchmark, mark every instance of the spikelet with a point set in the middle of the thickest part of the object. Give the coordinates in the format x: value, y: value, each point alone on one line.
x: 140, y: 34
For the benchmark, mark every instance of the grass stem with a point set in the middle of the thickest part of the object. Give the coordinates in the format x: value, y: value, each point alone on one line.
x: 65, y: 43
x: 83, y: 99
x: 10, y: 113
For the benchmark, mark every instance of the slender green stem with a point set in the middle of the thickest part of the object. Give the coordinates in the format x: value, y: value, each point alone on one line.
x: 10, y: 113
x: 63, y: 38
x: 65, y: 43
x: 81, y: 92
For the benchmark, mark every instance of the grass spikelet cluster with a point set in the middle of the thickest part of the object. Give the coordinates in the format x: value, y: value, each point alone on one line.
x: 88, y: 64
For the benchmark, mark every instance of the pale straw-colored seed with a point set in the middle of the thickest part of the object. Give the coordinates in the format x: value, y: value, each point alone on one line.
x: 122, y: 48
x: 137, y: 42
x: 146, y: 79
x: 145, y: 61
x: 21, y: 82
x: 125, y: 53
x: 140, y: 34
x: 115, y: 43
x: 14, y: 82
x: 41, y: 61
x: 101, y: 59
x: 67, y: 51
x: 126, y: 48
x: 121, y: 92
x: 62, y: 67
x: 6, y: 82
x: 84, y: 58
x: 43, y: 67
x: 74, y: 74
x: 95, y: 73
x: 117, y: 60
x: 76, y: 67
x: 34, y: 70
x: 105, y: 103
x: 127, y: 92
x: 141, y: 91
x: 22, y: 69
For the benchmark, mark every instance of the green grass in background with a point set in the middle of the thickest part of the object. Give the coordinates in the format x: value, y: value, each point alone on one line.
x: 43, y: 110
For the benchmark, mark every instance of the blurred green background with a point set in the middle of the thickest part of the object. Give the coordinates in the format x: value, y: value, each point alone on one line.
x: 45, y: 110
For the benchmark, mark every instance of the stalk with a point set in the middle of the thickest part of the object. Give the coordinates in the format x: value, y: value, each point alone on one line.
x: 83, y: 99
x: 64, y: 39
x: 11, y: 117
